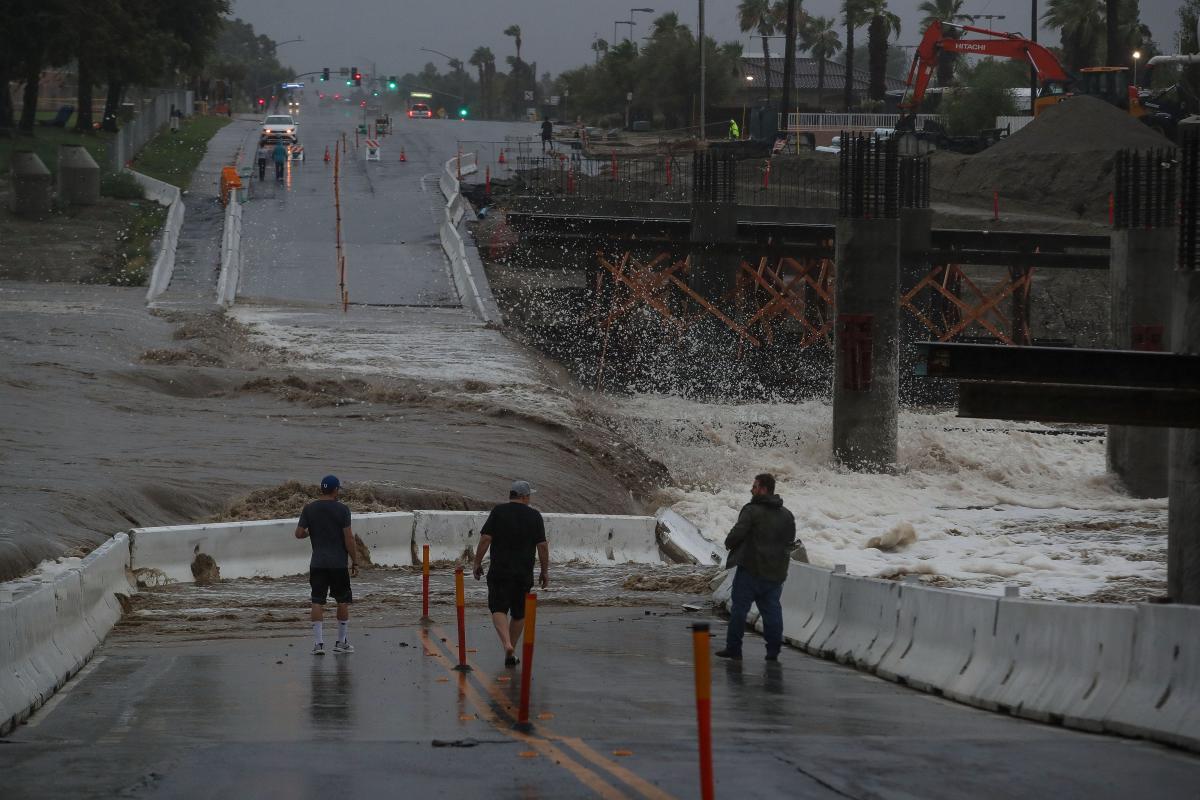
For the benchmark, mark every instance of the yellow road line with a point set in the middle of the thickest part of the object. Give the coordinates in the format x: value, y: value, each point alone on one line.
x: 581, y: 773
x: 623, y: 774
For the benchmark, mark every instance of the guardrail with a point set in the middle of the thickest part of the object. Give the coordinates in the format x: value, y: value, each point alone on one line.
x: 1131, y: 670
x: 164, y: 262
x: 465, y: 266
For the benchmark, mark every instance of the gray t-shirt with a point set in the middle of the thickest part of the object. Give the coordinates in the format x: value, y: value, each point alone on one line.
x: 325, y: 520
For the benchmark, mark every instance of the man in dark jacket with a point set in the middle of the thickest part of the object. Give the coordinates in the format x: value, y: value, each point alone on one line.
x: 759, y: 546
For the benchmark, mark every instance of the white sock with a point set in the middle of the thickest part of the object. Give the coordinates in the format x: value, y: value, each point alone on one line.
x: 342, y: 626
x: 318, y: 633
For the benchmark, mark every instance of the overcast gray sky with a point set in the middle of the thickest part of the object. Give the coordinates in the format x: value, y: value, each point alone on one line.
x: 557, y: 34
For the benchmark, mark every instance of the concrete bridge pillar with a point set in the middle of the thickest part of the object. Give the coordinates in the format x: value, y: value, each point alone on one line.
x: 714, y: 270
x: 1141, y: 276
x: 866, y: 366
x: 1183, y: 516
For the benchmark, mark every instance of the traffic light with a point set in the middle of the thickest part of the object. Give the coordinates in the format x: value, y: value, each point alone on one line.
x: 462, y: 113
x: 262, y: 102
x: 357, y: 76
x: 325, y: 74
x: 393, y: 84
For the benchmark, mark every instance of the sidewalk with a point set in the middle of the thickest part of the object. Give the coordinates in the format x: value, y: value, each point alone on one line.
x: 198, y: 258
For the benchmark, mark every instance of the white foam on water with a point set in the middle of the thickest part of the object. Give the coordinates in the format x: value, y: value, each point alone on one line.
x: 990, y: 502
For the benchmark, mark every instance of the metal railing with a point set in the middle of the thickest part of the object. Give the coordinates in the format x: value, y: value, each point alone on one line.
x: 869, y: 178
x: 1144, y: 189
x: 836, y: 122
x: 679, y: 179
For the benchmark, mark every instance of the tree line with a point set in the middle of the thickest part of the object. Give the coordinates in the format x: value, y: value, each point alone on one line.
x: 112, y: 43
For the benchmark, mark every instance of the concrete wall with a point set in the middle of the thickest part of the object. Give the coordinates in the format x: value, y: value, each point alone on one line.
x: 269, y: 548
x: 48, y: 631
x: 164, y: 262
x: 1131, y: 670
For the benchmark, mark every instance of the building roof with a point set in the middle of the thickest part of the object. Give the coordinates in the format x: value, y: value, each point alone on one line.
x: 806, y: 74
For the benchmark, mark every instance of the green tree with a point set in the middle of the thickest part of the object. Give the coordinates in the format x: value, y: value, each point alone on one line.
x: 854, y: 15
x: 1081, y: 29
x: 821, y: 38
x: 758, y: 16
x: 947, y: 11
x: 515, y: 32
x: 986, y: 93
x: 484, y: 62
x: 883, y: 25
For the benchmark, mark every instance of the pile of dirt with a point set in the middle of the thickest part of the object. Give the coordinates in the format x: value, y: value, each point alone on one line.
x: 1061, y: 163
x: 287, y: 499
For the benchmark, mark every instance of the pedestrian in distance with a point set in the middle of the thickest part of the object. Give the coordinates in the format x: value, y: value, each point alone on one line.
x: 264, y: 155
x: 760, y: 545
x: 280, y: 156
x: 326, y: 524
x: 513, y: 531
x: 547, y: 135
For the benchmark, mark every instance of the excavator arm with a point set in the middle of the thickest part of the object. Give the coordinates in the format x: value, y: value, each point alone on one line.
x: 1003, y: 45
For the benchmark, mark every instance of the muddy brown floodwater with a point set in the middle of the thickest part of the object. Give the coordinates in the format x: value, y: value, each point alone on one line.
x: 118, y: 417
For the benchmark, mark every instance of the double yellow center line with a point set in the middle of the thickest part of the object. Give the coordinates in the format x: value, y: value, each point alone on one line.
x: 605, y: 777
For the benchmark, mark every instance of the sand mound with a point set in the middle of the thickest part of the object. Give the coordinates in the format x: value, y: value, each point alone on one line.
x: 286, y: 500
x: 1062, y: 162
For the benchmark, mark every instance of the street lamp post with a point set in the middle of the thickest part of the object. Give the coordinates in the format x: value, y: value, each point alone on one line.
x: 1137, y: 56
x: 631, y: 23
x: 617, y: 22
x: 461, y: 70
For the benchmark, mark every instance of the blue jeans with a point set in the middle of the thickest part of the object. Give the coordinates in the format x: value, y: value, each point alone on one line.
x: 748, y: 589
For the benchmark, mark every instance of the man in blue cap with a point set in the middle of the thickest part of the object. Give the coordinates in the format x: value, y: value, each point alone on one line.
x: 513, y: 531
x: 326, y: 523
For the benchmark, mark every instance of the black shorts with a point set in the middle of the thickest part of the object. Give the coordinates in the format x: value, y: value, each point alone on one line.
x: 507, y: 595
x: 327, y: 581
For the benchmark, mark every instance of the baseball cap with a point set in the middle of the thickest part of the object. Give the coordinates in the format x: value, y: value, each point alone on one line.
x: 521, y: 489
x: 329, y: 483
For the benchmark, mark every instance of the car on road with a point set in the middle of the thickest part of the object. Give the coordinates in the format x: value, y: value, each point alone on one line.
x: 419, y: 111
x: 281, y: 126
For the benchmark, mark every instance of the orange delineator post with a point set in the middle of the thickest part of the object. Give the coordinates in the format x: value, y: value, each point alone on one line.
x: 403, y: 157
x: 1111, y: 214
x: 425, y: 583
x: 527, y: 661
x: 703, y: 707
x: 570, y: 179
x: 614, y: 165
x: 996, y: 205
x: 668, y: 170
x: 326, y: 154
x: 460, y: 603
x: 487, y: 181
x: 502, y: 159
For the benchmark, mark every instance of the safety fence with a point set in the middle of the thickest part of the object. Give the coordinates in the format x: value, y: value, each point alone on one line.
x: 681, y: 179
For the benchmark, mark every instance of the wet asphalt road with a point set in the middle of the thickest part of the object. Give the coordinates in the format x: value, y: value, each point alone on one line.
x: 388, y: 209
x: 614, y: 715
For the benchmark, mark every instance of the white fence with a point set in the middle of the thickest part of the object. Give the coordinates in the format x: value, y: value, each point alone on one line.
x: 1014, y: 123
x: 841, y: 122
x: 150, y: 115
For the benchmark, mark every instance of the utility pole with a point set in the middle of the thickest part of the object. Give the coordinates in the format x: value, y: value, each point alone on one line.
x: 701, y: 29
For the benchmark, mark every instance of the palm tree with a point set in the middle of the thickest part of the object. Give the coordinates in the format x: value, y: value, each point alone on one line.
x: 821, y: 37
x: 480, y: 60
x: 883, y: 24
x: 949, y: 11
x: 854, y: 15
x: 515, y: 32
x: 791, y: 17
x: 1081, y: 28
x: 756, y: 15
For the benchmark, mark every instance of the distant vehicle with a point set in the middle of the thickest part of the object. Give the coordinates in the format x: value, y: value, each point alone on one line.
x: 419, y: 111
x: 293, y: 106
x: 281, y: 126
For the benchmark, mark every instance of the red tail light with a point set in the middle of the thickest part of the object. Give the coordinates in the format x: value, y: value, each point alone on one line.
x: 410, y: 115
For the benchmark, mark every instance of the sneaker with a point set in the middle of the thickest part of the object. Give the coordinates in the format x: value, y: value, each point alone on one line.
x: 727, y: 653
x: 343, y: 647
x: 511, y: 660
x: 319, y: 649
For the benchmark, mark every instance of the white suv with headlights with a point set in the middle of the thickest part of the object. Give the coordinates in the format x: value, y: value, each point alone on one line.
x: 281, y: 126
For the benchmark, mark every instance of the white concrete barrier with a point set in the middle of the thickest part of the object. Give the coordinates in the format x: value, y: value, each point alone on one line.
x: 449, y: 534
x: 164, y: 263
x: 231, y: 254
x: 683, y: 542
x: 261, y: 549
x: 50, y: 630
x: 805, y: 593
x: 1161, y: 699
x: 936, y: 636
x: 865, y: 620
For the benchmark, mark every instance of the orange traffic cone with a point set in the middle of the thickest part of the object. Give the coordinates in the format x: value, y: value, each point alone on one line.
x: 502, y: 160
x: 326, y: 154
x: 403, y: 158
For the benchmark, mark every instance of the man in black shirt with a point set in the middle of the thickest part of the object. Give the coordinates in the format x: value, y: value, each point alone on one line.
x: 326, y: 522
x: 513, y: 531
